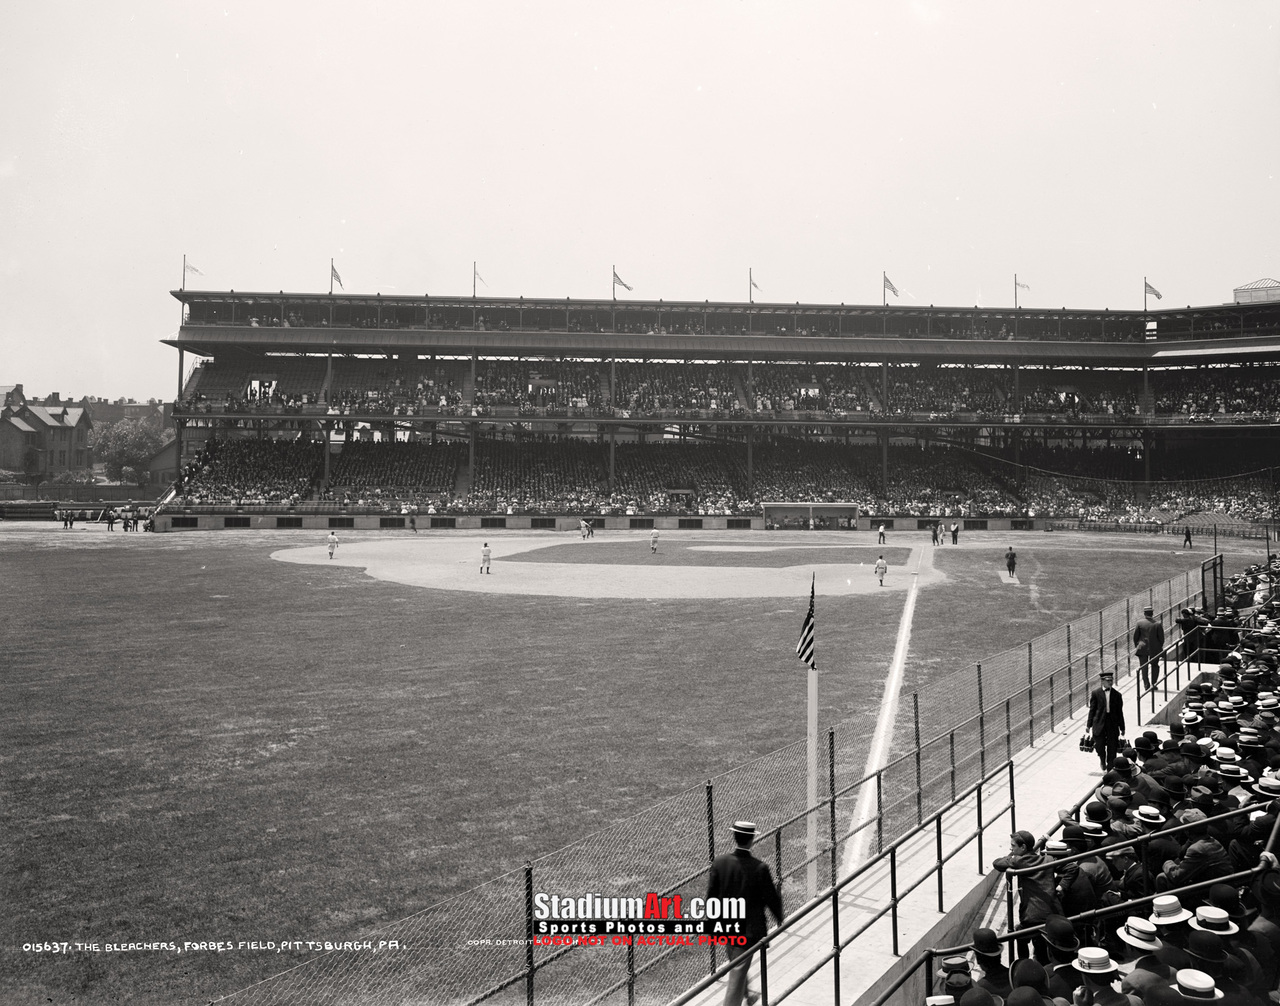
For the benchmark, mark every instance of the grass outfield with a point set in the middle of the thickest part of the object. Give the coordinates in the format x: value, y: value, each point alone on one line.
x: 202, y: 743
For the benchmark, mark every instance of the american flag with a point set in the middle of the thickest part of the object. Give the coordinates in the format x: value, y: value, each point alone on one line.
x: 1152, y: 290
x: 333, y: 272
x: 888, y: 285
x: 804, y: 648
x: 754, y: 284
x: 618, y: 281
x: 192, y: 269
x: 1021, y: 285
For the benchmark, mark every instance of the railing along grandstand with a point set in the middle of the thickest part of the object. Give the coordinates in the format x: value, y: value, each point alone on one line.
x: 976, y: 719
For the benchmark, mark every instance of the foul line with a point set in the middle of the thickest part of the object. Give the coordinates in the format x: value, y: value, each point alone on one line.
x: 878, y: 755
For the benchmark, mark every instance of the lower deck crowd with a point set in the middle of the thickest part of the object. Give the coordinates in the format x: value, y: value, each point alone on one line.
x: 567, y: 475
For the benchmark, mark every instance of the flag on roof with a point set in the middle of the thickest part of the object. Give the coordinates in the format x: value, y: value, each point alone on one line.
x: 754, y: 284
x: 1152, y: 290
x: 475, y: 270
x: 618, y: 281
x: 192, y: 269
x: 804, y: 648
x: 888, y: 285
x: 1021, y: 284
x: 333, y: 273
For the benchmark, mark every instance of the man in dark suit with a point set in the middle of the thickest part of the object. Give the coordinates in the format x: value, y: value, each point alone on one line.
x: 1106, y: 720
x: 739, y: 874
x: 1148, y: 642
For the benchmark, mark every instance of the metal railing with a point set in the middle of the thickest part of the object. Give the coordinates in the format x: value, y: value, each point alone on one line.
x: 831, y: 896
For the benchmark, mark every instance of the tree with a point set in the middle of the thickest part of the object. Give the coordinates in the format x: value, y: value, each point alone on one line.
x: 125, y: 448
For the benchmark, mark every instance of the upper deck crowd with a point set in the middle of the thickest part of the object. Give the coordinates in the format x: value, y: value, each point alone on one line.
x: 357, y: 386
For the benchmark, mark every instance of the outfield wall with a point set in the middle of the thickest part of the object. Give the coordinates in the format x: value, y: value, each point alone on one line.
x: 230, y: 518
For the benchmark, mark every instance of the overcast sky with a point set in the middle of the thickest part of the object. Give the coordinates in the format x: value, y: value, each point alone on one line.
x: 949, y: 145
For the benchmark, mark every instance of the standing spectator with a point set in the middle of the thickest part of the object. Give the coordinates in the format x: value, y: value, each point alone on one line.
x: 1106, y: 719
x: 739, y: 874
x: 111, y: 520
x: 1035, y: 890
x: 1148, y: 643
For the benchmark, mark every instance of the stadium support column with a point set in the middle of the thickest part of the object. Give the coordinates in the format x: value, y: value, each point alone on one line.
x: 884, y: 463
x: 326, y: 436
x: 751, y: 436
x: 1146, y: 456
x: 613, y: 388
x: 1017, y: 387
x: 613, y: 443
x: 884, y: 386
x: 471, y: 455
x: 180, y: 361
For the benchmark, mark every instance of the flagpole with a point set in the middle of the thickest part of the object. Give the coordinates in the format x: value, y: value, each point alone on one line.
x: 184, y: 273
x: 1144, y: 300
x: 750, y: 286
x: 330, y: 277
x: 884, y: 289
x: 473, y: 279
x: 1015, y: 291
x: 813, y: 783
x: 614, y: 278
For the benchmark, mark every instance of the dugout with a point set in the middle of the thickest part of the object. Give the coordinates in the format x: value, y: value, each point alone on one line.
x: 811, y: 516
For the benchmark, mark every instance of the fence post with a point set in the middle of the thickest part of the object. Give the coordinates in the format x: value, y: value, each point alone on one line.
x: 631, y: 974
x: 1031, y: 705
x: 1008, y: 731
x: 1102, y: 632
x: 915, y: 706
x: 981, y: 783
x: 879, y: 811
x: 953, y: 765
x: 831, y: 777
x: 982, y: 726
x: 893, y: 895
x: 528, y: 932
x: 938, y: 831
x: 711, y: 851
x: 1053, y: 721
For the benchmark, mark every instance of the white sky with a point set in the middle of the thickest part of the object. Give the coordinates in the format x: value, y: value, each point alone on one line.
x: 1081, y: 146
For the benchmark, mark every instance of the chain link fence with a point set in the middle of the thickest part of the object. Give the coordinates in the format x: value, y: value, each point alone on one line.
x: 481, y: 946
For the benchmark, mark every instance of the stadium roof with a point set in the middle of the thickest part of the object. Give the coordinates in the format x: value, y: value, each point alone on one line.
x: 1260, y: 284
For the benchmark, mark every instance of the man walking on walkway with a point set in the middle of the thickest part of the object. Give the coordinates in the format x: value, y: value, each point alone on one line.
x: 1148, y: 641
x: 1106, y: 720
x: 739, y: 874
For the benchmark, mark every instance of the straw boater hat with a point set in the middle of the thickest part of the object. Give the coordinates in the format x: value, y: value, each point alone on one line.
x: 1094, y: 961
x: 1139, y: 933
x: 1193, y: 984
x: 747, y: 829
x: 1167, y: 910
x: 1146, y: 814
x: 1213, y: 920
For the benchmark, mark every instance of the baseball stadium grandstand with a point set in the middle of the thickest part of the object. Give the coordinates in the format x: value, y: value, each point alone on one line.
x: 315, y: 410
